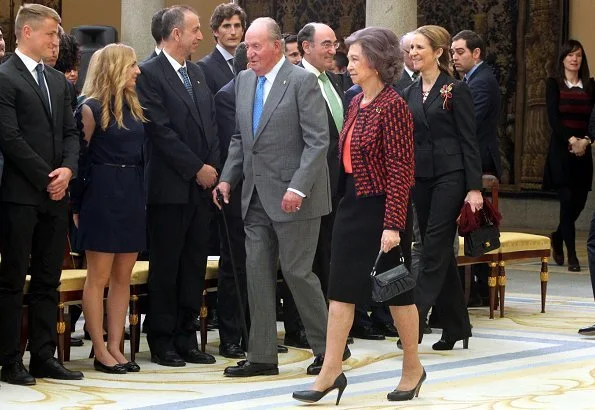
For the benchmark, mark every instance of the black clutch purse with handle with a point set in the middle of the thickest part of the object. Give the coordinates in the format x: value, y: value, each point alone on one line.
x: 393, y: 282
x: 484, y: 239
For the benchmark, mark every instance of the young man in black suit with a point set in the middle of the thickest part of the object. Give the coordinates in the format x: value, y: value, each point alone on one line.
x: 182, y: 157
x: 468, y: 52
x: 228, y: 24
x: 41, y: 144
x: 157, y: 33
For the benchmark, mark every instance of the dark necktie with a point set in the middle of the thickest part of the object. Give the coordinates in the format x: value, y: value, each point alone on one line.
x: 42, y: 87
x: 465, y: 79
x: 414, y: 76
x: 187, y: 82
x: 230, y: 63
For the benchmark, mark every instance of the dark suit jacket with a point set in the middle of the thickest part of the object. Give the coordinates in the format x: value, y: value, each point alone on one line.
x: 150, y: 56
x: 486, y: 99
x: 181, y: 132
x: 33, y: 140
x: 444, y: 136
x: 225, y: 105
x: 216, y: 69
x: 332, y: 155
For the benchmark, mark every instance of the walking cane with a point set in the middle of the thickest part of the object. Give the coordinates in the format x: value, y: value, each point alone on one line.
x: 235, y: 272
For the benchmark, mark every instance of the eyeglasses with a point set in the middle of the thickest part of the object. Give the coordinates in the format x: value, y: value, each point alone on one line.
x: 329, y: 44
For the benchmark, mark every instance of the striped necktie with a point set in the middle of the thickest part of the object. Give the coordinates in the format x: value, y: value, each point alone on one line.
x: 184, y: 73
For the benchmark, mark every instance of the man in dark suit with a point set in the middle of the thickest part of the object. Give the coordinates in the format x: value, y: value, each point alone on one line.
x: 230, y: 330
x: 468, y: 52
x: 228, y: 24
x: 2, y: 51
x: 40, y: 144
x: 291, y: 51
x: 156, y: 32
x: 317, y: 44
x: 182, y: 157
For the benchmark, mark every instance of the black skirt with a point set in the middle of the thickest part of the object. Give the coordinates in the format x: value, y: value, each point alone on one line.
x: 356, y: 242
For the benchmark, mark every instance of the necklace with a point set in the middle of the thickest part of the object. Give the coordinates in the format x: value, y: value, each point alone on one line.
x: 424, y: 95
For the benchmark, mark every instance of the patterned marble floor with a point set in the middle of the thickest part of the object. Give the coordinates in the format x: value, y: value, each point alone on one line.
x: 526, y: 360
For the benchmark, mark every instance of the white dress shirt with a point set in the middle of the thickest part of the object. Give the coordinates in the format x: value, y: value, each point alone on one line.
x: 314, y: 70
x: 174, y: 63
x: 226, y: 55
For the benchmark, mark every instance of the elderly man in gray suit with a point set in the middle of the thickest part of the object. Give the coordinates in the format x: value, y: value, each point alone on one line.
x: 280, y: 152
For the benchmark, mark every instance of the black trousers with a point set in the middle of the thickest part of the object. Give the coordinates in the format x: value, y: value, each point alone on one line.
x: 572, y: 203
x: 591, y: 252
x: 380, y: 313
x: 39, y: 231
x: 438, y: 202
x: 179, y: 248
x: 228, y: 310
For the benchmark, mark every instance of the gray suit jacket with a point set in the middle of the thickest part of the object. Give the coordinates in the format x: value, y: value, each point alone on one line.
x: 289, y: 148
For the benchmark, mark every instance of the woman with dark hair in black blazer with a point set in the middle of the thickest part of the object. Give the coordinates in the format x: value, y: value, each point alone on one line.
x: 569, y: 167
x: 447, y: 174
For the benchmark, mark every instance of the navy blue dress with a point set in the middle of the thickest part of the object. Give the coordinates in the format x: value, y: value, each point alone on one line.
x: 109, y: 194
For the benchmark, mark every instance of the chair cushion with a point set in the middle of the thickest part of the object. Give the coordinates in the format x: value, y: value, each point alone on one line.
x: 72, y: 280
x: 519, y: 241
x: 140, y: 273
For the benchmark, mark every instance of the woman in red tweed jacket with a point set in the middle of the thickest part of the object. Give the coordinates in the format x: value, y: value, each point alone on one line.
x: 376, y: 151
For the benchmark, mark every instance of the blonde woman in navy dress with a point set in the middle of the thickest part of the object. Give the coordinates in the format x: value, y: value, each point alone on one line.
x: 109, y: 203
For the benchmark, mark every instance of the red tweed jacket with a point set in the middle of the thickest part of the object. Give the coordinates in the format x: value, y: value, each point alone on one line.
x: 382, y: 152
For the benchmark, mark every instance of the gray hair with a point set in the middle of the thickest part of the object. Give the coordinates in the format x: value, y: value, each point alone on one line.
x: 381, y: 48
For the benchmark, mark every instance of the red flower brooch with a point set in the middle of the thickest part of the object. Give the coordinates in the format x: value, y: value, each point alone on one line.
x: 446, y: 93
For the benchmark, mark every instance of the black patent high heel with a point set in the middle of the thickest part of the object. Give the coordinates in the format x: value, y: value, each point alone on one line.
x: 402, y: 395
x: 312, y: 396
x: 445, y: 345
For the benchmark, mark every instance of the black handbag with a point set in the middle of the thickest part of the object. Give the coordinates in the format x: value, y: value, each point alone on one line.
x: 391, y: 283
x: 484, y: 239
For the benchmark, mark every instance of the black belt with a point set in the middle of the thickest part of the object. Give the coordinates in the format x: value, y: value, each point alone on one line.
x: 107, y: 164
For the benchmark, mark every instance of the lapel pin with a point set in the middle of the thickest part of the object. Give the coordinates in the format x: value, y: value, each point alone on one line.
x: 284, y: 82
x: 378, y: 110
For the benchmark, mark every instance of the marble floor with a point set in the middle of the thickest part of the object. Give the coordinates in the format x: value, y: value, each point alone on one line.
x: 526, y: 360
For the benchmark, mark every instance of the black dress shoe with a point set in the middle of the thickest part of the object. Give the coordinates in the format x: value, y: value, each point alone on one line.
x: 115, y: 369
x: 573, y: 264
x: 52, y: 369
x: 132, y: 367
x: 198, y: 357
x: 312, y: 396
x: 249, y: 369
x: 587, y: 331
x: 231, y: 351
x: 297, y: 339
x: 76, y: 342
x: 15, y: 373
x: 365, y: 333
x: 386, y: 329
x: 316, y: 366
x: 169, y: 358
x: 558, y: 248
x: 447, y: 345
x: 282, y: 349
x: 402, y: 395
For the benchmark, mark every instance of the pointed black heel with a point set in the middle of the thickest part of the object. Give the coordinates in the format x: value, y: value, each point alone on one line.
x: 403, y: 395
x: 445, y: 345
x: 312, y: 396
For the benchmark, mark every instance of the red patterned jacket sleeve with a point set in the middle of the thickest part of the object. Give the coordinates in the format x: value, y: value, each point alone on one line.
x: 397, y: 127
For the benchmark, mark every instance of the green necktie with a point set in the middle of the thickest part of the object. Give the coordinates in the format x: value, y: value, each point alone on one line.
x: 336, y: 109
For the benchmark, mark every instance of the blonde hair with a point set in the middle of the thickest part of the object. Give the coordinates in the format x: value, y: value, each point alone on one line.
x: 108, y: 84
x: 32, y: 15
x: 91, y: 73
x: 438, y: 37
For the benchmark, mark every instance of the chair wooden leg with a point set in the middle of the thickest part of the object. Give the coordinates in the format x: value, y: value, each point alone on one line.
x: 67, y: 338
x: 502, y: 285
x: 134, y: 325
x: 203, y: 322
x: 24, y: 329
x: 544, y: 278
x: 61, y: 328
x: 492, y: 286
x: 467, y: 284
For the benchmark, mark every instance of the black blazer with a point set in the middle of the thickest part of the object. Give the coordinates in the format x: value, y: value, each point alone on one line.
x: 150, y: 56
x: 216, y: 69
x: 486, y: 99
x: 403, y: 82
x: 33, y: 140
x: 181, y: 132
x: 445, y: 138
x: 225, y: 105
x: 332, y: 155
